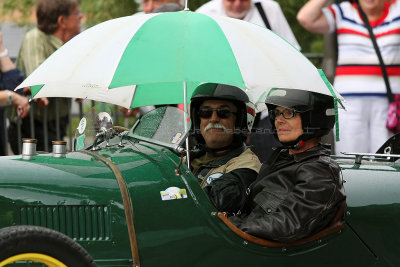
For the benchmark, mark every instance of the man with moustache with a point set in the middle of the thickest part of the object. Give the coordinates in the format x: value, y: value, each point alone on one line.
x: 222, y: 117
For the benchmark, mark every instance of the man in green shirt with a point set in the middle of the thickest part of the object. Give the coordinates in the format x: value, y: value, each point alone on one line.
x: 57, y: 22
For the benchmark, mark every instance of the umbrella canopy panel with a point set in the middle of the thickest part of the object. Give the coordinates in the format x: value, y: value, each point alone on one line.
x: 173, y: 49
x: 145, y: 59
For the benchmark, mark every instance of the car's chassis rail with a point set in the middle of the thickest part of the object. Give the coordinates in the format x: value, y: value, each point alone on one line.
x: 371, y: 156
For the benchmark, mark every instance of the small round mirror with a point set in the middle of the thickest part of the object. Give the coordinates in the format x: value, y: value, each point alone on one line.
x: 103, y: 122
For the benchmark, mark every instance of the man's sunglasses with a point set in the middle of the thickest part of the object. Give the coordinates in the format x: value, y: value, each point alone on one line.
x: 222, y: 113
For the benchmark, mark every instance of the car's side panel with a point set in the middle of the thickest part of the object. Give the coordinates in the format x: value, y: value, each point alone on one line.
x: 340, y: 249
x: 79, y: 196
x: 76, y: 195
x: 186, y: 232
x: 374, y: 207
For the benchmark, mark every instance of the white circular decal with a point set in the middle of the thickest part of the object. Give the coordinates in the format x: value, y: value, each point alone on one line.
x: 82, y: 126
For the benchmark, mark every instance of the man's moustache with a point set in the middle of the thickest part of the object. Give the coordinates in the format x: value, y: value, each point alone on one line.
x: 215, y: 126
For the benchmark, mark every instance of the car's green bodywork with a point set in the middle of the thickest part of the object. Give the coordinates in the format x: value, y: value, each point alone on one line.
x: 79, y: 196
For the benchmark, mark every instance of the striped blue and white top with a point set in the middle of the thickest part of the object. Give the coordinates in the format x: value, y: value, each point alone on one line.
x: 358, y: 72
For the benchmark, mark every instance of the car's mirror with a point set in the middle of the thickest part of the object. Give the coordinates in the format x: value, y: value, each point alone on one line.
x: 167, y: 126
x: 94, y: 125
x: 103, y: 122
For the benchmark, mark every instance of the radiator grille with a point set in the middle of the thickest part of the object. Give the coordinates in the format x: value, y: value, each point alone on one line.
x: 90, y: 223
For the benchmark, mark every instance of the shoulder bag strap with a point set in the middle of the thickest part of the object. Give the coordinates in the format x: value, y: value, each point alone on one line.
x: 378, y: 53
x: 263, y: 15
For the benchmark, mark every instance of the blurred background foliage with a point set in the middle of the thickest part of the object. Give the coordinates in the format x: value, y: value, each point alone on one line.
x: 309, y: 42
x: 97, y: 11
x: 23, y: 7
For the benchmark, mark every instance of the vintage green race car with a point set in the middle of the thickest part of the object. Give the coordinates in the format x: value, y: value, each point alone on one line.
x: 126, y: 198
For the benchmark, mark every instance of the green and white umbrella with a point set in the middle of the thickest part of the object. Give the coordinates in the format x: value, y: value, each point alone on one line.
x: 148, y: 59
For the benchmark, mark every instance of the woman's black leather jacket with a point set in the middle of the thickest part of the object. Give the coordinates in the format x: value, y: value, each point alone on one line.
x: 293, y: 197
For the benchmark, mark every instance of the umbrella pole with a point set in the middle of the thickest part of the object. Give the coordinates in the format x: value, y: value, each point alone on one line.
x: 185, y: 121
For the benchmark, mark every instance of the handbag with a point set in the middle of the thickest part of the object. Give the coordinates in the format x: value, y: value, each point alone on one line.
x: 393, y: 120
x: 393, y: 115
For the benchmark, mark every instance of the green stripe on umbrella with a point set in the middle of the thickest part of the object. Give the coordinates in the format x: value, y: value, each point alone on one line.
x: 176, y: 56
x: 35, y: 89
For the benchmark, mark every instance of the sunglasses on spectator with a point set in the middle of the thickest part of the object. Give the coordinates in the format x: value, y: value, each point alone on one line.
x: 222, y: 113
x: 286, y: 113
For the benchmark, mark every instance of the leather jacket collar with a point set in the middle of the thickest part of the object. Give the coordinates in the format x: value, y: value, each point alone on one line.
x: 319, y: 150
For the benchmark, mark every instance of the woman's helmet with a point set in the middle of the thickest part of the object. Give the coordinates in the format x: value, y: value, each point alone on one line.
x: 317, y: 111
x: 245, y: 109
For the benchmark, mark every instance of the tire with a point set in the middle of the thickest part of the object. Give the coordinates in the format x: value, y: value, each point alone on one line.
x: 43, y: 245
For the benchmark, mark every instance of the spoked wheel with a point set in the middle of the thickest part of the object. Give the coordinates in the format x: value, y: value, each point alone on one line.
x: 39, y: 246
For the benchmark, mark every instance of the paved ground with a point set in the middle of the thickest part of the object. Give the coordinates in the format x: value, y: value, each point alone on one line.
x: 12, y: 37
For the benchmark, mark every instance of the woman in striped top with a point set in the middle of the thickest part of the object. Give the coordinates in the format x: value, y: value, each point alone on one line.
x: 358, y: 73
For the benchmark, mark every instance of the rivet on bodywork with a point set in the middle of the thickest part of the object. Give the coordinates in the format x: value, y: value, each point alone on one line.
x: 28, y: 148
x: 283, y: 249
x: 213, y: 213
x: 348, y: 213
x: 245, y: 243
x: 59, y: 149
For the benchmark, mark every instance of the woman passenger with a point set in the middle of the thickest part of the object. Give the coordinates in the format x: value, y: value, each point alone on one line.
x: 299, y: 190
